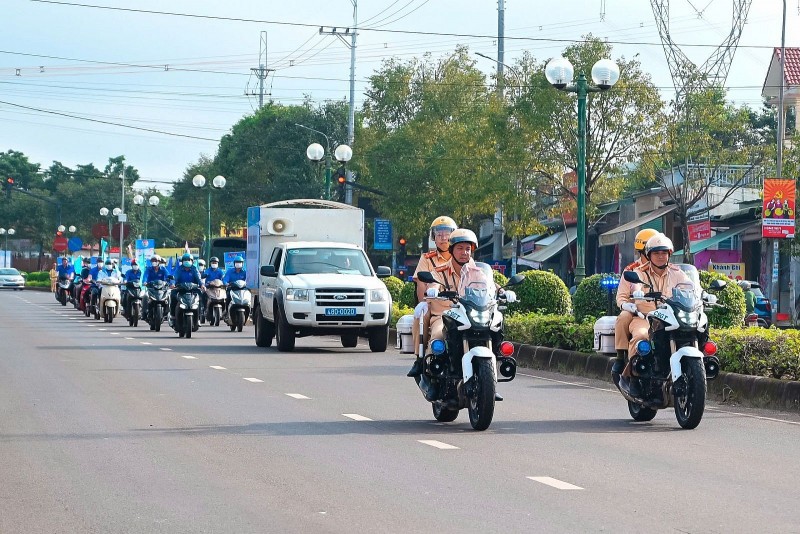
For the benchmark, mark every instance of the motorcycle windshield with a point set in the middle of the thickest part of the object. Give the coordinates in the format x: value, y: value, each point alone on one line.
x: 691, y: 273
x: 477, y: 285
x: 684, y: 297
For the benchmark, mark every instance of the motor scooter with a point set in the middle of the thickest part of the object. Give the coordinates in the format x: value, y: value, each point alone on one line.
x: 239, y: 307
x: 109, y: 299
x: 215, y: 301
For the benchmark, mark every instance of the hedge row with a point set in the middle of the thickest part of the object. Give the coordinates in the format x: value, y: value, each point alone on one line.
x: 759, y: 351
x: 38, y: 276
x: 557, y: 331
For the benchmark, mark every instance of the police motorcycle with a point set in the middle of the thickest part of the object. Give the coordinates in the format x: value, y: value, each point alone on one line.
x: 133, y: 301
x: 110, y: 299
x: 187, y: 310
x: 239, y: 307
x: 215, y: 301
x: 671, y: 368
x: 461, y: 370
x: 157, y: 295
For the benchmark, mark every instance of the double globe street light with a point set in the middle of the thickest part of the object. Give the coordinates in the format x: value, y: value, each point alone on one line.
x: 6, y: 233
x: 605, y: 73
x: 218, y: 182
x: 315, y: 152
x: 152, y: 201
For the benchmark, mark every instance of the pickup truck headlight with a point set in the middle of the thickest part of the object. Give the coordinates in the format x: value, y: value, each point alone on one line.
x: 378, y: 295
x: 297, y: 294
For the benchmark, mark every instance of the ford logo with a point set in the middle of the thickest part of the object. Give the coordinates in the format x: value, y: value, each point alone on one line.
x: 340, y: 296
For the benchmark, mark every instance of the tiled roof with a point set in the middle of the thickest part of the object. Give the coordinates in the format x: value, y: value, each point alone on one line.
x: 792, y: 65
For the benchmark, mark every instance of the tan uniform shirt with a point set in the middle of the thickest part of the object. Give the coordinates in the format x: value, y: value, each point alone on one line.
x: 430, y: 262
x: 624, y: 287
x: 665, y: 283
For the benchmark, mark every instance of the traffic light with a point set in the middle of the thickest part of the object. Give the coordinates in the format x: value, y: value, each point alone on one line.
x: 8, y: 185
x: 341, y: 183
x: 401, y: 251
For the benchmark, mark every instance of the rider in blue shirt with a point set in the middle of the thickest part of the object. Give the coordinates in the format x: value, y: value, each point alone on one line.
x: 133, y: 275
x: 65, y: 270
x: 214, y: 272
x: 185, y: 274
x: 232, y: 275
x: 155, y: 271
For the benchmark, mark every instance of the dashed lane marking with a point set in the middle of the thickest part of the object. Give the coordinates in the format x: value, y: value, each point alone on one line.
x: 254, y: 380
x: 189, y: 357
x: 437, y: 444
x: 356, y: 417
x: 129, y: 338
x: 165, y: 349
x: 145, y: 343
x: 558, y: 484
x: 114, y: 333
x: 102, y: 329
x: 298, y: 396
x: 218, y: 367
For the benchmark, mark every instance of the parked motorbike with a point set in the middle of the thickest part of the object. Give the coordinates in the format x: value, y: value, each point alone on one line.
x: 109, y: 299
x: 157, y: 303
x: 63, y: 288
x: 187, y: 310
x: 461, y: 370
x: 239, y: 307
x: 671, y: 368
x: 133, y: 302
x: 215, y: 301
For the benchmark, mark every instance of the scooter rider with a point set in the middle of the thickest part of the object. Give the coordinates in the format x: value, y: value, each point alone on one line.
x: 133, y: 275
x: 65, y: 271
x: 621, y: 326
x: 662, y: 277
x: 440, y: 231
x: 185, y: 274
x: 108, y: 271
x: 212, y: 273
x: 151, y: 274
x: 232, y: 275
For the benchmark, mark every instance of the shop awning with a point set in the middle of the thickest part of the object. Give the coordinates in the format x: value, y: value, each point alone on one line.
x: 699, y: 246
x: 552, y: 245
x: 613, y: 237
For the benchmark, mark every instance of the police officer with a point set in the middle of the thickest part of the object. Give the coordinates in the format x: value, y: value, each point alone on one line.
x: 440, y: 231
x: 624, y: 318
x: 185, y: 274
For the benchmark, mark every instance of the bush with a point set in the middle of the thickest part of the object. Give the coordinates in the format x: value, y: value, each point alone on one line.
x: 38, y: 276
x: 499, y: 278
x: 408, y: 295
x: 397, y: 312
x: 591, y: 298
x: 759, y: 351
x: 556, y: 331
x: 542, y: 292
x: 731, y: 299
x: 37, y: 283
x: 395, y: 286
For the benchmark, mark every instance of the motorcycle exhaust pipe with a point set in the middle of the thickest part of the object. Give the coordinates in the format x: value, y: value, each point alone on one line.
x: 712, y: 367
x: 438, y: 366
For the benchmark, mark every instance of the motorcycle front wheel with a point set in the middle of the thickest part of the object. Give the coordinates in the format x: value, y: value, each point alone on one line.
x: 157, y: 317
x: 481, y: 403
x: 689, y: 408
x: 133, y: 317
x: 215, y: 321
x: 187, y: 325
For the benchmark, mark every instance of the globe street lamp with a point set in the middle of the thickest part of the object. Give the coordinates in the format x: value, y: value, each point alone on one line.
x: 6, y: 233
x: 105, y: 213
x: 218, y: 182
x: 139, y: 201
x: 605, y: 73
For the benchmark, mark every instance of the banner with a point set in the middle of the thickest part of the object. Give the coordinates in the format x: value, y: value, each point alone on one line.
x: 383, y: 235
x: 699, y: 230
x: 699, y: 222
x: 229, y: 256
x: 731, y: 270
x: 777, y: 215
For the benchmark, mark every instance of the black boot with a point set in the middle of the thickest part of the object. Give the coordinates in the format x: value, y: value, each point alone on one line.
x: 416, y: 369
x: 619, y: 363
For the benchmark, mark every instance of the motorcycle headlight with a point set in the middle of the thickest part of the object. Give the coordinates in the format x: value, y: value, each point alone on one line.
x: 297, y: 294
x: 480, y: 317
x: 687, y: 318
x: 182, y: 306
x: 378, y: 295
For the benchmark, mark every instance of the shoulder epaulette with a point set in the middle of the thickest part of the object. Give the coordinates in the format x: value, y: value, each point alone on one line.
x: 442, y: 268
x: 429, y: 255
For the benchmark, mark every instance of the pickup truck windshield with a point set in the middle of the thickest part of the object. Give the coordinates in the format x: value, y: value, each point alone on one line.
x: 327, y: 260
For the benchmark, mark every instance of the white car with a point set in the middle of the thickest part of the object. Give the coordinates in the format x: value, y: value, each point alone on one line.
x: 10, y: 278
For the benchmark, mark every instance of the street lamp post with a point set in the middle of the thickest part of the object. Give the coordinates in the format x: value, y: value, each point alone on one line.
x: 6, y: 233
x: 218, y: 182
x: 605, y: 73
x: 139, y: 201
x: 315, y: 152
x: 114, y: 213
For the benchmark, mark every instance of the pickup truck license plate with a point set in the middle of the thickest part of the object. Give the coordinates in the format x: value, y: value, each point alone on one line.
x: 340, y: 311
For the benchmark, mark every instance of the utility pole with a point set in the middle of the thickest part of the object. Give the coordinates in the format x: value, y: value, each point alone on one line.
x: 351, y: 117
x: 261, y: 72
x: 497, y: 229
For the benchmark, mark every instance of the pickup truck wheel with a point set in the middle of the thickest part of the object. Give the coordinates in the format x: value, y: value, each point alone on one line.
x: 378, y: 338
x: 284, y: 335
x: 264, y: 330
x: 349, y: 340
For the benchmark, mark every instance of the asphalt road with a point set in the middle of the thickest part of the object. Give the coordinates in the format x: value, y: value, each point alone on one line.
x: 105, y: 428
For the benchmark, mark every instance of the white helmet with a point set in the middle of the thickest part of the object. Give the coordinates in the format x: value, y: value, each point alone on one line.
x: 657, y: 243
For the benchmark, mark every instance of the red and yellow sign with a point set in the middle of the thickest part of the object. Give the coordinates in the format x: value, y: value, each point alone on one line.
x: 777, y: 216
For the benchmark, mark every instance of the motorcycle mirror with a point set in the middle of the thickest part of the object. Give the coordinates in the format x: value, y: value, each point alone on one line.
x: 632, y: 277
x: 426, y: 277
x: 515, y: 280
x: 717, y: 285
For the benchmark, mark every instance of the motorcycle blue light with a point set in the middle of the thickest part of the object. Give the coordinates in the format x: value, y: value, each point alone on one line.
x: 438, y: 347
x: 643, y: 348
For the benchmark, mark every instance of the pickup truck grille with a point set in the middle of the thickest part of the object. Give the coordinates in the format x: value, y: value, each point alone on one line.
x: 331, y: 297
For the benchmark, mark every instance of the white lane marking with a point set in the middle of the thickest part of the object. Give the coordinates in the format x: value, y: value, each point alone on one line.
x: 145, y: 343
x: 254, y: 380
x: 218, y: 367
x: 356, y: 417
x: 114, y: 333
x: 128, y: 338
x: 570, y: 383
x: 189, y: 357
x: 558, y: 484
x: 437, y: 444
x: 165, y: 348
x: 102, y: 329
x: 298, y: 396
x: 772, y: 419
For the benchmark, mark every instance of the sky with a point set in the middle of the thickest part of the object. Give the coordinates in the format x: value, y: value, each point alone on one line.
x: 80, y: 84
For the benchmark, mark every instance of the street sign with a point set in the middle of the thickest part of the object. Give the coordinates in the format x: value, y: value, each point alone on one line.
x: 383, y: 235
x: 60, y: 244
x: 75, y: 243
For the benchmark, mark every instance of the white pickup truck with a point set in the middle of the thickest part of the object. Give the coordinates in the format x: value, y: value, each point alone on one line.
x: 307, y: 266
